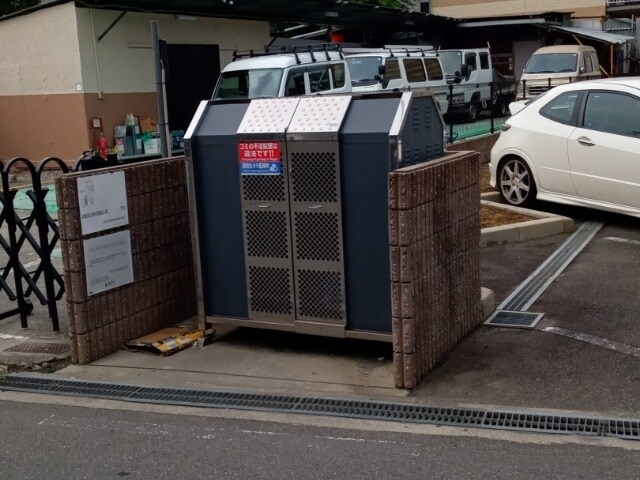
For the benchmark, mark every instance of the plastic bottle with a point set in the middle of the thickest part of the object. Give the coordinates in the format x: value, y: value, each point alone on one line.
x: 102, y: 146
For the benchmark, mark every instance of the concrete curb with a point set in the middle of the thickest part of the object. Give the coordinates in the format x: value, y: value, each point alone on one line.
x: 546, y: 225
x: 488, y: 302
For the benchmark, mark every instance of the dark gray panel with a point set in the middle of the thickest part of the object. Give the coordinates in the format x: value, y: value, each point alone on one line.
x: 423, y: 133
x: 365, y: 170
x: 215, y: 159
x: 369, y: 120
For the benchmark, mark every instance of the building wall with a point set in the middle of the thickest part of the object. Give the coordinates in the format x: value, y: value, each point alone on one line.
x: 41, y: 112
x: 496, y: 8
x: 51, y: 84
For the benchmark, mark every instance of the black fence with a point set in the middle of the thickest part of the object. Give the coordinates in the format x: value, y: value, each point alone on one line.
x: 38, y: 231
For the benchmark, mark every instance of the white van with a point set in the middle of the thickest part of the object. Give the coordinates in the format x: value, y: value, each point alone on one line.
x: 312, y: 71
x: 549, y: 67
x: 394, y: 68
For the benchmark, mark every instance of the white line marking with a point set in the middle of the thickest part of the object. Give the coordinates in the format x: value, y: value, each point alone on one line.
x: 41, y: 422
x: 597, y: 341
x: 628, y: 241
x: 6, y: 336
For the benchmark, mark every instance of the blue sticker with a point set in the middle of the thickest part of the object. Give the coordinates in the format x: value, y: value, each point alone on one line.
x: 260, y: 168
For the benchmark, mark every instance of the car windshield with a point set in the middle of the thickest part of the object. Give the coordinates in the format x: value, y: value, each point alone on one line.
x: 363, y: 70
x: 451, y: 61
x: 552, y: 63
x: 248, y: 84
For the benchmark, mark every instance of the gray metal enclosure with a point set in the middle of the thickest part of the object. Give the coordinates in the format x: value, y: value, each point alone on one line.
x: 291, y: 196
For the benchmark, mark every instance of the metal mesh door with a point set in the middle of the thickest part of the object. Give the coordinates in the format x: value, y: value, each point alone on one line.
x: 317, y: 231
x: 267, y: 246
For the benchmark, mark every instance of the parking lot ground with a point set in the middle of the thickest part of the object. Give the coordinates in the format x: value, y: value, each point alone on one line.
x: 596, y: 295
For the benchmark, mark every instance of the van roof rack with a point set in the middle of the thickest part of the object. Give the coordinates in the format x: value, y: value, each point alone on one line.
x: 320, y: 48
x: 409, y: 50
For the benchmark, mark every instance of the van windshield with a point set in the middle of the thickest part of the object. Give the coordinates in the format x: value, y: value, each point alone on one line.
x: 451, y: 61
x: 257, y: 83
x: 552, y: 63
x: 363, y: 70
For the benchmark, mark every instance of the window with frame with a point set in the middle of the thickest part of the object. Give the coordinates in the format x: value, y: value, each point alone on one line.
x: 434, y: 69
x: 295, y: 83
x: 415, y: 70
x: 484, y: 61
x: 338, y: 75
x: 561, y: 108
x: 319, y: 79
x: 392, y: 69
x: 470, y: 61
x: 588, y: 64
x: 612, y: 112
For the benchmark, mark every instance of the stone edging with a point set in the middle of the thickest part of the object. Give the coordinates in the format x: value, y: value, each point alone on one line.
x: 546, y: 225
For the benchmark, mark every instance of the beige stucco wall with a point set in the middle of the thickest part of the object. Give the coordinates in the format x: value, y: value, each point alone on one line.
x: 125, y: 58
x: 495, y: 8
x: 39, y: 52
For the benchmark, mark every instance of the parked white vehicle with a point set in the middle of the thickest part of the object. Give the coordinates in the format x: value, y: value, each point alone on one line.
x: 475, y: 70
x: 577, y: 144
x: 549, y: 67
x: 286, y: 74
x: 396, y: 68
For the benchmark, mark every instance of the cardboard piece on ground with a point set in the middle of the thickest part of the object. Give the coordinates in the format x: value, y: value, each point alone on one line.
x: 169, y: 340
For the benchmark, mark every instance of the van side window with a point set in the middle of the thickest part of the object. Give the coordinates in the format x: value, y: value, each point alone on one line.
x: 319, y: 79
x: 414, y: 69
x: 295, y: 83
x: 484, y: 61
x: 392, y: 71
x: 338, y: 75
x: 470, y: 60
x: 434, y: 70
x: 588, y: 64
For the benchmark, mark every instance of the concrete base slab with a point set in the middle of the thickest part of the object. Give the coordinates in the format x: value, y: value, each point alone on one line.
x: 258, y: 360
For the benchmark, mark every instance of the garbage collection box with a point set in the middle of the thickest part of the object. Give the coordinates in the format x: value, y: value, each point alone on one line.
x: 298, y: 239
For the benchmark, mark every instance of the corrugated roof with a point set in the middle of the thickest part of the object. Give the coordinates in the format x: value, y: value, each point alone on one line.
x: 598, y: 35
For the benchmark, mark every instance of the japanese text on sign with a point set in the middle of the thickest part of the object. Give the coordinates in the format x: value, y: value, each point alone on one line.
x: 259, y: 158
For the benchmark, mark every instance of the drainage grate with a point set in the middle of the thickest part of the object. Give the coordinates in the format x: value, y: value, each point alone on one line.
x: 506, y: 318
x: 40, y: 347
x: 399, y: 412
x: 529, y: 291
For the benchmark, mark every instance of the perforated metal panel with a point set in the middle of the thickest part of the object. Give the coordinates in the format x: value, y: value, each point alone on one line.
x: 266, y: 216
x: 317, y: 231
x: 319, y: 114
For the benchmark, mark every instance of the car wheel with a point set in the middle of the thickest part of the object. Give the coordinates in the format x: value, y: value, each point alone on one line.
x: 516, y: 183
x: 500, y: 108
x: 472, y: 112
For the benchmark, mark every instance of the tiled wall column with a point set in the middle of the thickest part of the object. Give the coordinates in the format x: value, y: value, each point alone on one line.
x: 434, y: 217
x: 163, y: 291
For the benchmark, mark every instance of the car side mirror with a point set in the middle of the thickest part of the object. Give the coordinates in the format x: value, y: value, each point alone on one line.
x: 457, y: 77
x: 382, y: 69
x: 378, y: 78
x: 464, y: 71
x: 582, y: 69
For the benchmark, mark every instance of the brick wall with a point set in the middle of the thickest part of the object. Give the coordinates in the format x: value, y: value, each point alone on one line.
x: 434, y: 219
x: 163, y: 291
x: 482, y: 145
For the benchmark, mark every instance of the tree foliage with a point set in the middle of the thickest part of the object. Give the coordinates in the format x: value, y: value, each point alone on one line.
x: 10, y: 6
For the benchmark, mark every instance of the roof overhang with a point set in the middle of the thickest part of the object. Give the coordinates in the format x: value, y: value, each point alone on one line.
x: 323, y: 12
x: 597, y: 35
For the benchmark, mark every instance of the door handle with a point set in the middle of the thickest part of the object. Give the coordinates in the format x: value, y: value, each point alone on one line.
x: 587, y: 142
x: 315, y: 207
x: 266, y: 205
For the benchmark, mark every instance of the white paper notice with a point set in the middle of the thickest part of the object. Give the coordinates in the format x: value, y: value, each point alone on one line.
x: 108, y: 262
x: 103, y: 202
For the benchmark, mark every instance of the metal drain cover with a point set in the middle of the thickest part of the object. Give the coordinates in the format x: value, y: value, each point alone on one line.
x: 508, y: 318
x: 40, y: 347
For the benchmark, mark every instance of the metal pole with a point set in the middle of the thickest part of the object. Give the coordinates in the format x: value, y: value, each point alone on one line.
x: 493, y: 105
x: 162, y: 123
x: 450, y: 113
